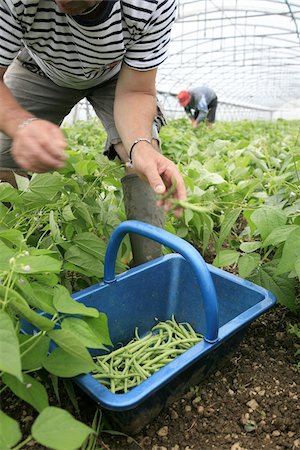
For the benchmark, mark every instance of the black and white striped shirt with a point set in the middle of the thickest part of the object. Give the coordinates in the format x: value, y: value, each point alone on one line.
x: 81, y: 56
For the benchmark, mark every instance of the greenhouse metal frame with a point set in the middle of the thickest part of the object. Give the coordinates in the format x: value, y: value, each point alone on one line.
x: 247, y: 51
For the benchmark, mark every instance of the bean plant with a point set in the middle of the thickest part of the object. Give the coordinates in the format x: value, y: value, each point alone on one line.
x: 242, y: 213
x: 246, y: 178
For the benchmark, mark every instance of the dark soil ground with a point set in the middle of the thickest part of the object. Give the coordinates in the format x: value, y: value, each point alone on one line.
x: 252, y: 403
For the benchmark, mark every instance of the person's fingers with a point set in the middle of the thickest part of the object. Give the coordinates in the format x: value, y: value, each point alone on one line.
x: 171, y: 176
x: 163, y: 176
x: 40, y: 147
x: 52, y: 140
x: 151, y: 173
x: 175, y: 189
x: 36, y: 150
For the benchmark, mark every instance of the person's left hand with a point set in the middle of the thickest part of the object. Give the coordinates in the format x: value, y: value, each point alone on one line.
x: 162, y: 175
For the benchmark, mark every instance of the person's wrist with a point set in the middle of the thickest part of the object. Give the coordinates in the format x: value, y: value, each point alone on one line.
x: 137, y: 145
x: 23, y: 124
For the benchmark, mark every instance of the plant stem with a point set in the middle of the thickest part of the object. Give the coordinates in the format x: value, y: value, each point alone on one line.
x: 28, y: 439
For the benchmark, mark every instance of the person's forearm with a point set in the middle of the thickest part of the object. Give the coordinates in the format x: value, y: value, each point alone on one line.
x: 135, y: 106
x: 11, y: 113
x: 134, y: 116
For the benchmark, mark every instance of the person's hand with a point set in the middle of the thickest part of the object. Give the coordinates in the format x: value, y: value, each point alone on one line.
x: 194, y: 123
x: 162, y: 175
x: 39, y: 147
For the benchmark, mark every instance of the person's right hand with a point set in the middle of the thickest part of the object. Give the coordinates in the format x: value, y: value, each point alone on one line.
x: 162, y: 175
x: 39, y: 147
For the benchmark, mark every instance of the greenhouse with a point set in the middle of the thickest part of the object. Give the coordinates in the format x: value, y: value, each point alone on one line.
x: 249, y: 53
x: 149, y: 224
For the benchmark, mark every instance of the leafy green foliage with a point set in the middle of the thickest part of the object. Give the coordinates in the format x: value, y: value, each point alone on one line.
x: 247, y: 176
x: 10, y: 432
x: 10, y: 359
x: 30, y: 390
x: 52, y: 243
x: 242, y: 212
x: 57, y: 429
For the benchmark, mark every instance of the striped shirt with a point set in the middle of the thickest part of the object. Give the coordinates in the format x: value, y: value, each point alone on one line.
x: 80, y: 56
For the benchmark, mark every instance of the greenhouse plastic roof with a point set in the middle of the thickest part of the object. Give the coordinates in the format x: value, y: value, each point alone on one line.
x: 248, y: 51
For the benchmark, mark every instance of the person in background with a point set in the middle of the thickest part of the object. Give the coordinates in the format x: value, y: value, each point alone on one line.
x: 200, y: 104
x: 53, y: 53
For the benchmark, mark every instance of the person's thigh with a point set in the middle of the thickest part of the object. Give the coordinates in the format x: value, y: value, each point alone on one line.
x: 38, y: 95
x: 102, y: 99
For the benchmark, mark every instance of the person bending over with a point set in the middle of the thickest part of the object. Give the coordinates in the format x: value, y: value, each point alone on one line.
x: 200, y: 104
x: 53, y: 53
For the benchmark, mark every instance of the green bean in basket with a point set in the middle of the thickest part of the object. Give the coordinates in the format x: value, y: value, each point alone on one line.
x: 128, y: 366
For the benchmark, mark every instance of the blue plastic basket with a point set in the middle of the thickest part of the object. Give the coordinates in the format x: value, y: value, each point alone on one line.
x: 216, y: 303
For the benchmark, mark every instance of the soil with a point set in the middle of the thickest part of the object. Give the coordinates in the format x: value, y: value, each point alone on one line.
x: 250, y: 404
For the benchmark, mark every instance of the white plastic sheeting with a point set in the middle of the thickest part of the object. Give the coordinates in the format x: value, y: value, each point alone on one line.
x: 247, y: 51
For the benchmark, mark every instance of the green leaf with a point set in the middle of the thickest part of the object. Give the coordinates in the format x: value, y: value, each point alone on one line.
x: 8, y: 193
x: 226, y: 257
x: 63, y: 364
x: 91, y: 244
x: 69, y: 231
x: 83, y: 211
x: 22, y: 182
x: 99, y: 326
x: 268, y: 218
x: 33, y: 201
x: 247, y: 214
x: 55, y: 428
x: 31, y: 390
x: 228, y: 222
x: 6, y: 253
x: 47, y: 185
x: 208, y: 178
x: 14, y: 237
x: 68, y: 342
x: 36, y: 264
x: 67, y: 214
x: 5, y: 214
x: 54, y: 380
x: 188, y: 215
x: 290, y: 253
x: 10, y: 358
x: 84, y: 333
x: 279, y: 235
x: 207, y: 226
x: 46, y: 280
x: 249, y: 247
x: 34, y: 350
x: 69, y: 267
x: 10, y: 432
x: 85, y: 167
x: 89, y: 263
x: 282, y: 287
x: 54, y: 228
x: 247, y: 264
x: 38, y: 296
x: 182, y: 231
x: 17, y: 302
x: 64, y: 303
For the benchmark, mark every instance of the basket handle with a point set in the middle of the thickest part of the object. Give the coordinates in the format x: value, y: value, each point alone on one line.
x: 180, y: 246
